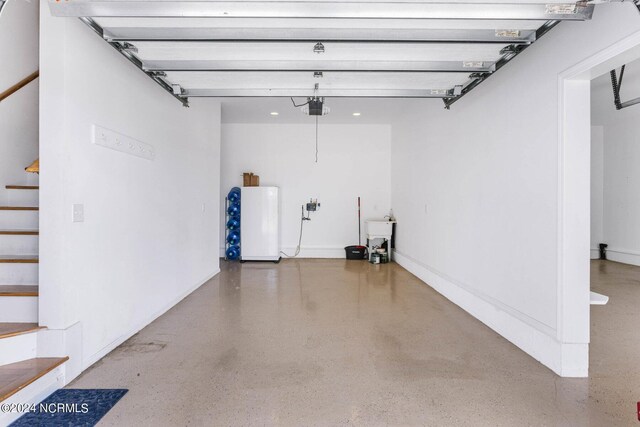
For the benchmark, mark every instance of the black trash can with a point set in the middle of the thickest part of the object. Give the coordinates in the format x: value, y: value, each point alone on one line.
x: 356, y: 252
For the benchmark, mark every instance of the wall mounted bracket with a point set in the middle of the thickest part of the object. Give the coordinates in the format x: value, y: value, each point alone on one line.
x: 616, y: 83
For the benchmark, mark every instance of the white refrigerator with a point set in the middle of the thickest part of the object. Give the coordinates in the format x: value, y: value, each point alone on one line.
x: 260, y: 224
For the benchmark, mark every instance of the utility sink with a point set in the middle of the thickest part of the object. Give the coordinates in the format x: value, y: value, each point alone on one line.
x: 379, y: 227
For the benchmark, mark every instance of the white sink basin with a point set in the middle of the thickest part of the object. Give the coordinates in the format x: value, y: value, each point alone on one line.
x: 379, y: 227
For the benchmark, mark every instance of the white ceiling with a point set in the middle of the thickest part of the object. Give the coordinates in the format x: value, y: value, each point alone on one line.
x: 372, y: 110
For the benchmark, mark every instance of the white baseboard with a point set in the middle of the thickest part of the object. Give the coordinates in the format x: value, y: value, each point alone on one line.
x: 88, y: 361
x: 624, y: 256
x: 312, y: 252
x: 595, y: 253
x: 317, y: 252
x: 534, y: 338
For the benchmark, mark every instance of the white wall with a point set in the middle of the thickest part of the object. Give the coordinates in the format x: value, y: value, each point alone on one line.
x: 353, y: 160
x: 19, y: 112
x: 621, y: 156
x: 476, y: 193
x: 150, y: 234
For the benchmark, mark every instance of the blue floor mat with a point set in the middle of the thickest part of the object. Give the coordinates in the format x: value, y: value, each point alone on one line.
x: 71, y: 408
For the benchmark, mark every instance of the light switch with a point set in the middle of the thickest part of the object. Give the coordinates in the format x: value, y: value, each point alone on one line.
x: 78, y: 213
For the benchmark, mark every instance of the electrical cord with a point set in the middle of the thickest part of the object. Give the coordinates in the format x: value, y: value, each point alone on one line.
x: 296, y: 105
x: 299, y: 239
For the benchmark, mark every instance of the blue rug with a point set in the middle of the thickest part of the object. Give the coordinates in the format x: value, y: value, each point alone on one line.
x: 71, y: 408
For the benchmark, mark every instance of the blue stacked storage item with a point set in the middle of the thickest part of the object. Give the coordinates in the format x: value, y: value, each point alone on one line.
x: 233, y: 252
x: 232, y: 238
x: 233, y: 223
x: 234, y: 195
x: 234, y: 209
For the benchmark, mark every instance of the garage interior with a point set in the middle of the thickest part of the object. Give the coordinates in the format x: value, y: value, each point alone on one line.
x: 321, y: 212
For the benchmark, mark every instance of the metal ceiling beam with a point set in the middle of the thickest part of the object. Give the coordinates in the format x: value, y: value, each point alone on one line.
x: 329, y: 93
x: 135, y: 61
x: 317, y: 9
x: 324, y: 66
x: 509, y: 55
x: 313, y: 35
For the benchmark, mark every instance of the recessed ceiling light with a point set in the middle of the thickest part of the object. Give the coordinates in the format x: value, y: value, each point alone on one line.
x: 274, y: 113
x: 356, y: 114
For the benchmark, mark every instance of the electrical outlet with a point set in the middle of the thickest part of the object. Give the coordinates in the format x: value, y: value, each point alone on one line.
x: 116, y: 141
x: 313, y: 205
x: 78, y: 213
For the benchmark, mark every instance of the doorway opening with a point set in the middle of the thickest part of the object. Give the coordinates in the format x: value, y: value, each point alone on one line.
x: 615, y: 234
x: 574, y: 196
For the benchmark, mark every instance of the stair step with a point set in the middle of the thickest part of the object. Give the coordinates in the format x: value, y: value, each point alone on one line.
x: 22, y: 309
x: 18, y: 259
x: 12, y: 329
x: 19, y: 208
x: 18, y: 220
x: 22, y: 187
x: 18, y: 290
x: 16, y: 376
x: 19, y: 232
x: 19, y: 274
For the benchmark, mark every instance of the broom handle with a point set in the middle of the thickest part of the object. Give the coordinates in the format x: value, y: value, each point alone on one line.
x: 359, y: 231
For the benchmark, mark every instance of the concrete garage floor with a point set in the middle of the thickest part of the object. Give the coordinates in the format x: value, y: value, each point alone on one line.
x: 333, y: 342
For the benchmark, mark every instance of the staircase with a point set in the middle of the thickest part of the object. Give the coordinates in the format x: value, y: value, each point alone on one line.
x: 24, y: 377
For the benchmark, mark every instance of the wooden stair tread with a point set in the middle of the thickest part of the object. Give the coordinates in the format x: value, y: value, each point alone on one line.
x: 18, y: 290
x: 18, y: 259
x: 8, y: 330
x: 16, y: 376
x: 34, y: 167
x: 19, y: 208
x: 19, y: 232
x: 22, y: 187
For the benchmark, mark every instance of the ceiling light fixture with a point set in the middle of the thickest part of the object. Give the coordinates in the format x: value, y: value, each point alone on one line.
x: 274, y: 113
x: 356, y: 114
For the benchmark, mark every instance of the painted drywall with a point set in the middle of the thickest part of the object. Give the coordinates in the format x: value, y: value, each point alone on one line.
x: 150, y: 230
x: 19, y: 112
x: 353, y: 160
x: 597, y: 189
x: 476, y: 193
x: 620, y: 180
